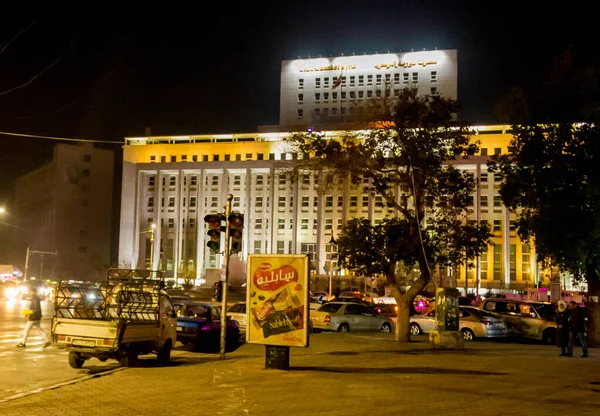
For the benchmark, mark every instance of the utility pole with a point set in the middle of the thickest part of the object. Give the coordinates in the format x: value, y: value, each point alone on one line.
x: 31, y: 252
x: 225, y: 283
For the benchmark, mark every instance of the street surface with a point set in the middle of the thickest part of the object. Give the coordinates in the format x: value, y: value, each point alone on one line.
x: 339, y: 374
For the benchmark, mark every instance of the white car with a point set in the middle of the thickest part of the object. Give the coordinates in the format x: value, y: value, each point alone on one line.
x: 385, y: 299
x: 238, y: 313
x: 321, y: 295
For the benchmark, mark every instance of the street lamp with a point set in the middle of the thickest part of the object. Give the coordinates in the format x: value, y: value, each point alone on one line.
x: 332, y: 242
x: 151, y: 231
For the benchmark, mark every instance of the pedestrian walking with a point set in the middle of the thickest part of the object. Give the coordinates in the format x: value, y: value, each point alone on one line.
x: 562, y: 326
x: 577, y: 328
x: 33, y: 319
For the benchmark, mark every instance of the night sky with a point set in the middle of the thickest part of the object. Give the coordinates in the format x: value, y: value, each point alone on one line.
x: 215, y: 69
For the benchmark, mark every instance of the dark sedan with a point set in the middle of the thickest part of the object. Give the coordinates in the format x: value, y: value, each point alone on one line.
x: 199, y: 323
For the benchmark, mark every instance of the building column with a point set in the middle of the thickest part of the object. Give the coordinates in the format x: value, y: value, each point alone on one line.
x: 271, y: 228
x: 506, y: 244
x: 247, y: 216
x: 478, y: 219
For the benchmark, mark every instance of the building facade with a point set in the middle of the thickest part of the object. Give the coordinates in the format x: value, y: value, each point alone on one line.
x: 321, y: 91
x: 174, y: 182
x: 65, y: 207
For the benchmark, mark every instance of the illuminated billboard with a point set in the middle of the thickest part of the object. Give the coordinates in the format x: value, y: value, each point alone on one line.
x: 277, y: 300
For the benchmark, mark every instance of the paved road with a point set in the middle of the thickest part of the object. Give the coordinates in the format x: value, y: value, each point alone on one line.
x: 340, y: 374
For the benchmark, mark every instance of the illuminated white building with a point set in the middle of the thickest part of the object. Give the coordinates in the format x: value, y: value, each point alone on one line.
x: 311, y: 96
x: 175, y: 181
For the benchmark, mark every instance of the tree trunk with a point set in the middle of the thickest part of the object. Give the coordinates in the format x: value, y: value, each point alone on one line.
x: 404, y: 302
x: 593, y: 325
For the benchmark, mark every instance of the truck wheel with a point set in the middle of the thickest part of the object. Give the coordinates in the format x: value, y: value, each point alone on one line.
x: 75, y: 359
x: 164, y: 354
x: 129, y: 359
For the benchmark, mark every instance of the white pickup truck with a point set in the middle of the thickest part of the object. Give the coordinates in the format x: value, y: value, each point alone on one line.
x: 128, y: 315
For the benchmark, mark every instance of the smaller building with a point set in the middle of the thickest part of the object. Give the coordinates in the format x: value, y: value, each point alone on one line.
x: 65, y: 207
x: 8, y: 272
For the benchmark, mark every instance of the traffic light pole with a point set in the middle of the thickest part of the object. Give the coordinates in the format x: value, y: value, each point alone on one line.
x: 226, y: 252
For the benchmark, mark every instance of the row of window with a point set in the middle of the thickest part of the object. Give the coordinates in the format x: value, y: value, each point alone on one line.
x: 378, y: 79
x: 352, y: 95
x: 259, y: 156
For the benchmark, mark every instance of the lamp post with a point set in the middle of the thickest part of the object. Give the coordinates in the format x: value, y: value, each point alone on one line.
x: 332, y: 242
x: 151, y: 231
x: 29, y: 253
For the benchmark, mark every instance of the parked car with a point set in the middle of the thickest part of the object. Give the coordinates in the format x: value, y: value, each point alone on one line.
x: 386, y: 309
x: 348, y: 316
x: 529, y: 319
x: 238, y: 313
x: 315, y: 303
x: 472, y: 323
x: 200, y: 323
x: 320, y: 294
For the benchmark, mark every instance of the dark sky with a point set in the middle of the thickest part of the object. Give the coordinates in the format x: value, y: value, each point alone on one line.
x: 215, y: 69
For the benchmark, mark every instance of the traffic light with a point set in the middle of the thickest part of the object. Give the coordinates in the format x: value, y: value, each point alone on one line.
x: 214, y: 231
x: 236, y: 226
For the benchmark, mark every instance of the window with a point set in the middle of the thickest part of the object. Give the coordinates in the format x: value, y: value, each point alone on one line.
x: 258, y: 224
x: 87, y: 158
x: 497, y: 262
x: 497, y: 201
x: 259, y: 179
x: 281, y: 203
x: 214, y: 201
x: 334, y: 96
x: 405, y: 78
x: 236, y: 202
x: 415, y: 77
x: 328, y: 223
x: 369, y: 93
x: 484, y: 201
x: 433, y: 90
x: 301, y: 83
x: 215, y: 181
x: 194, y: 158
x: 483, y: 262
x: 497, y: 150
x: 163, y: 159
x: 512, y: 260
x: 325, y: 96
x: 215, y: 158
x: 378, y: 93
x: 171, y: 201
x: 257, y: 250
x: 317, y: 96
x: 152, y: 159
x: 484, y: 151
x: 361, y: 80
x: 397, y: 78
x: 171, y: 223
x: 315, y: 201
x: 237, y: 180
x: 340, y: 202
x: 300, y: 112
x: 352, y: 80
x: 258, y: 203
x: 205, y: 158
x: 238, y: 158
x: 248, y: 156
x: 300, y: 98
x: 328, y: 201
x: 326, y: 82
x: 484, y: 177
x: 525, y: 262
x: 280, y: 247
x: 184, y: 158
x: 173, y: 158
x: 340, y: 224
x: 151, y: 180
x: 353, y: 201
x: 305, y: 179
x: 305, y: 202
x: 378, y: 79
x: 282, y: 179
x: 369, y: 79
x: 172, y: 180
x: 361, y: 94
x: 352, y: 95
x: 304, y: 224
x: 260, y: 156
x: 365, y: 201
x: 433, y: 76
x: 314, y: 223
x: 227, y: 157
x: 497, y: 225
x: 192, y: 222
x: 281, y: 223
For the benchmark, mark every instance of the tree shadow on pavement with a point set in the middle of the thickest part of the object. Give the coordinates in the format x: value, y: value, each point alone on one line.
x: 399, y: 370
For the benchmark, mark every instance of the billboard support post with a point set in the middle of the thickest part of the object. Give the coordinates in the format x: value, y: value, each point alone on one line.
x: 277, y: 357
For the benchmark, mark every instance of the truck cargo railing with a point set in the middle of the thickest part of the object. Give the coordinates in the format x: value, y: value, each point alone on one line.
x: 131, y: 295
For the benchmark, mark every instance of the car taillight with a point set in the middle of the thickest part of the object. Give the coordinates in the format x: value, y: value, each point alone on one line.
x: 487, y: 322
x: 327, y: 318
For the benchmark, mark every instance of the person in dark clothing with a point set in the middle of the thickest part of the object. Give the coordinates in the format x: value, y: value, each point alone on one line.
x: 577, y: 328
x: 33, y: 319
x: 562, y: 325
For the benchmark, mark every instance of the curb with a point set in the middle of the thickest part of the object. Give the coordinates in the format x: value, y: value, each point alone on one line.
x: 59, y: 385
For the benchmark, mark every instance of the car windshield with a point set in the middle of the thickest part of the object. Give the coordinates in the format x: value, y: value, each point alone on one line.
x: 196, y: 311
x: 330, y: 307
x: 545, y: 310
x: 238, y: 307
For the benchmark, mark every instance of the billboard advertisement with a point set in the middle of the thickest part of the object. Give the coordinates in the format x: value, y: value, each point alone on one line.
x: 277, y: 299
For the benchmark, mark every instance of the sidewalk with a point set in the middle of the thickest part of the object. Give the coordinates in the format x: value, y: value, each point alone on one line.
x: 341, y: 374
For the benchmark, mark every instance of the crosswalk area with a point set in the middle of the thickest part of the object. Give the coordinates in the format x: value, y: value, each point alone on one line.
x: 33, y: 351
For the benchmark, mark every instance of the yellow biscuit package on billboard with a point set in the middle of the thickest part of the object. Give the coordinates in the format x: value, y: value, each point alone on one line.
x: 277, y: 299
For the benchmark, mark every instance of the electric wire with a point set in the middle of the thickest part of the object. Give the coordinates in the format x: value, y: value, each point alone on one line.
x: 39, y: 74
x: 65, y: 139
x: 7, y: 42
